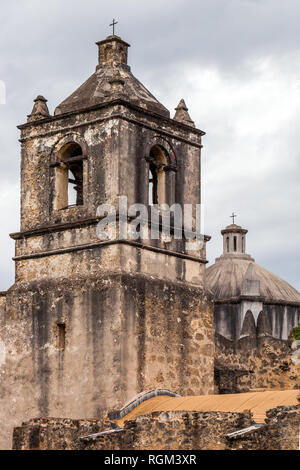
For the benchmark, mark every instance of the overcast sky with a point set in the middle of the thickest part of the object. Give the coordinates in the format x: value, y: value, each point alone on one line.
x: 235, y: 62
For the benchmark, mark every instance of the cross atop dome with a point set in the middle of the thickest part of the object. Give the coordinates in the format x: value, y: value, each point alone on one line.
x: 233, y: 216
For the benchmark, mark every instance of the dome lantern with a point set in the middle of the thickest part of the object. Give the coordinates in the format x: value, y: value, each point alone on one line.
x: 246, y: 292
x: 234, y: 240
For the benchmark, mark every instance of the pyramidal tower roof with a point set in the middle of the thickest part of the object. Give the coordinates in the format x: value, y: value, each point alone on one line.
x: 111, y: 81
x: 40, y: 109
x: 182, y: 114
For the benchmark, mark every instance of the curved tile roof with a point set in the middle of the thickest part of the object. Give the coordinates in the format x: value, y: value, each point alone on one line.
x: 257, y: 402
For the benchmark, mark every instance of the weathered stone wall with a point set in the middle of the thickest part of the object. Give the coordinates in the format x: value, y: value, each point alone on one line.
x: 296, y: 356
x: 2, y: 301
x: 116, y: 150
x: 2, y: 344
x: 183, y: 430
x: 175, y: 430
x: 159, y: 431
x: 276, y: 320
x: 95, y: 259
x: 124, y: 334
x: 280, y: 432
x: 56, y: 433
x: 116, y: 139
x: 282, y: 319
x: 253, y: 362
x: 88, y: 325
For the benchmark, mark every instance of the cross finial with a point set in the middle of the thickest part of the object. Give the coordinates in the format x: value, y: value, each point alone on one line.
x: 113, y: 25
x: 233, y: 217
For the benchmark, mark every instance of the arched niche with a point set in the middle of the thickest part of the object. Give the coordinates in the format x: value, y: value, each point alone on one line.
x: 249, y: 327
x: 68, y: 160
x: 162, y: 166
x: 263, y: 325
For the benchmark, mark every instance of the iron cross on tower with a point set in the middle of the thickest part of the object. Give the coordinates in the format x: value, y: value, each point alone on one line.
x: 233, y: 216
x: 113, y: 25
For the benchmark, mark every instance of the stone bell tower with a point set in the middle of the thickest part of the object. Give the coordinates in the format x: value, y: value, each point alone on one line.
x: 90, y: 323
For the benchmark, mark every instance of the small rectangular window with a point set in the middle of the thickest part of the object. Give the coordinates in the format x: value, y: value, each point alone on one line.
x: 61, y: 335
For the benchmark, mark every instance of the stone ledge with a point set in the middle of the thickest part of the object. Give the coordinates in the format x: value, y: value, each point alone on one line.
x: 93, y: 437
x: 242, y: 432
x: 107, y: 243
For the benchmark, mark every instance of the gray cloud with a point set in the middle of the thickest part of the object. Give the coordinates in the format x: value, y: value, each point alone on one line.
x: 237, y: 64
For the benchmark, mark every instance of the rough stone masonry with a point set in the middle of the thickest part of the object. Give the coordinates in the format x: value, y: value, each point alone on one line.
x: 89, y: 324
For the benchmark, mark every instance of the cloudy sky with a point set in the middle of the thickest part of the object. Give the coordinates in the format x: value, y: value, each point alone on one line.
x: 235, y: 62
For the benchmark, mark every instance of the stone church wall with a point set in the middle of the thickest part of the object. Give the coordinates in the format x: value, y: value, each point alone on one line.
x: 253, y: 362
x: 89, y: 325
x: 280, y: 432
x: 282, y: 318
x: 275, y: 320
x: 78, y: 347
x: 174, y: 430
x: 159, y: 431
x: 2, y: 300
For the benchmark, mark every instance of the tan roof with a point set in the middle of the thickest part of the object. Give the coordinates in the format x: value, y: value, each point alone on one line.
x: 225, y: 280
x: 257, y: 402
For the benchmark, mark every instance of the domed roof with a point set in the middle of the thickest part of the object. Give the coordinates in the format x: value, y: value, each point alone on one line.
x: 235, y: 274
x: 226, y: 278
